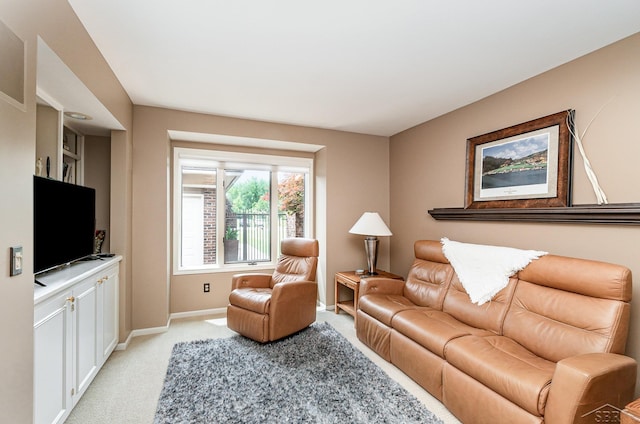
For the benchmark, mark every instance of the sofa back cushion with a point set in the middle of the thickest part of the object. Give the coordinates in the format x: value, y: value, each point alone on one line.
x: 429, y: 275
x: 488, y: 316
x: 566, y: 306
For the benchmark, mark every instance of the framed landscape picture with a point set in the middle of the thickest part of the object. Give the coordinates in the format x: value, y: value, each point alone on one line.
x: 524, y: 166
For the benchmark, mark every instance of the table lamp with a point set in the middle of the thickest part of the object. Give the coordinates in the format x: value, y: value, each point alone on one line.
x: 371, y: 225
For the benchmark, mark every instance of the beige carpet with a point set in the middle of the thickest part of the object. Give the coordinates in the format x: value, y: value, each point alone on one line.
x: 127, y: 388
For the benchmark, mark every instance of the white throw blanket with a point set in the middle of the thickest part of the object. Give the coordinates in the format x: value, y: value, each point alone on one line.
x: 485, y: 270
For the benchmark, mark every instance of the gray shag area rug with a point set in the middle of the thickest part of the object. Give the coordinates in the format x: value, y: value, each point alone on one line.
x: 315, y: 375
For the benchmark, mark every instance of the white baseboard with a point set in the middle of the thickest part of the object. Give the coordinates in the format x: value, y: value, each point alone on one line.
x: 322, y: 307
x: 143, y: 332
x: 157, y: 330
x: 215, y: 311
x: 124, y: 345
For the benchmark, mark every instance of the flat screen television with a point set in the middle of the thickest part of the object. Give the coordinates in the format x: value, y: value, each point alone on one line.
x: 64, y: 218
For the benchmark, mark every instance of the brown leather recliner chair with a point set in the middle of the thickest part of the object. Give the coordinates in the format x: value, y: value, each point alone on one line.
x: 267, y: 307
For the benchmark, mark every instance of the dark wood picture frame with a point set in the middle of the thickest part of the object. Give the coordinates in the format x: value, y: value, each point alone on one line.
x: 538, y: 176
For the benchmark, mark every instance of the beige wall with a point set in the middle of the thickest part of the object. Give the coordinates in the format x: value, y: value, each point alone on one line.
x: 121, y: 215
x: 55, y: 22
x: 428, y: 164
x: 97, y: 174
x: 17, y: 160
x: 351, y: 177
x: 48, y: 125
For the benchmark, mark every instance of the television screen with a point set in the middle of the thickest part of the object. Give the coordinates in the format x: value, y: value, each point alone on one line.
x: 63, y: 223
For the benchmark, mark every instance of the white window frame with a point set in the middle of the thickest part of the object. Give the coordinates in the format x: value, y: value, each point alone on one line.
x: 227, y: 160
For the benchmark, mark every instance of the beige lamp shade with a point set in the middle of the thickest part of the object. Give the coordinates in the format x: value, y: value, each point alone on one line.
x: 370, y: 224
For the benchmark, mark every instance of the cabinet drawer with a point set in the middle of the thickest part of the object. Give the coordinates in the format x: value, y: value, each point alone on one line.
x: 50, y: 307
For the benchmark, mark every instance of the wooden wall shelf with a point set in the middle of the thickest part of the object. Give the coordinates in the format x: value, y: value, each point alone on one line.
x: 619, y: 214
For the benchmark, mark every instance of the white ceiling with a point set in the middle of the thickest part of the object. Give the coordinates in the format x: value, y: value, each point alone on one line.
x: 368, y: 66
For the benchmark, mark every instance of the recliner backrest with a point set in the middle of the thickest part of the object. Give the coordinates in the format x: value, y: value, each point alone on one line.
x: 488, y: 316
x: 564, y: 307
x: 432, y: 282
x: 298, y: 260
x: 429, y: 275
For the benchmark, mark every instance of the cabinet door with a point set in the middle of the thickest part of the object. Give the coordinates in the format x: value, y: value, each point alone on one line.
x: 107, y: 313
x: 85, y: 365
x: 52, y: 359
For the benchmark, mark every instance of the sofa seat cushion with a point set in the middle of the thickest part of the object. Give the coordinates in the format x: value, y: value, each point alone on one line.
x: 505, y: 367
x: 432, y: 329
x: 252, y: 299
x: 384, y: 306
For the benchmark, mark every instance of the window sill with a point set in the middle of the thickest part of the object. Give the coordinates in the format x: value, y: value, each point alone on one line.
x: 229, y: 269
x: 617, y: 214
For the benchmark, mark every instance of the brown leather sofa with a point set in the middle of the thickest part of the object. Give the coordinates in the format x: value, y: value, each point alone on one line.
x: 548, y: 348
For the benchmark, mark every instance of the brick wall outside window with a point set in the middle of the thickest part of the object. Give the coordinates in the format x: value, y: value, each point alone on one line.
x: 209, y: 255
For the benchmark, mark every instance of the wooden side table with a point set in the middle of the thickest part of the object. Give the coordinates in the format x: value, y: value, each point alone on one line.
x: 351, y: 280
x: 631, y: 413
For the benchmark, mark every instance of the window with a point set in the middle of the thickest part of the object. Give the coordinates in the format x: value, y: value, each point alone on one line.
x: 231, y: 210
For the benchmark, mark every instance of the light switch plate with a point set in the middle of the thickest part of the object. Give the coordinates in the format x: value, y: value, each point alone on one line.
x: 16, y: 261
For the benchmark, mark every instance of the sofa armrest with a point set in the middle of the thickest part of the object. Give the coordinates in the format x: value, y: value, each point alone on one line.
x: 253, y: 280
x: 587, y: 385
x: 380, y: 285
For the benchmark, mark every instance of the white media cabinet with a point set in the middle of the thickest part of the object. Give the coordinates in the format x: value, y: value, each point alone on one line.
x: 75, y: 329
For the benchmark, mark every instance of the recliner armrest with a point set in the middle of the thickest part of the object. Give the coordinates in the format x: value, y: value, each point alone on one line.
x: 293, y: 289
x: 381, y: 285
x: 254, y: 280
x: 292, y: 307
x: 586, y: 384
